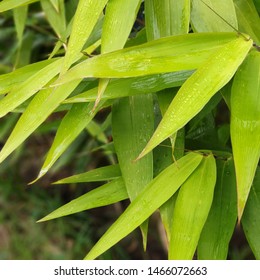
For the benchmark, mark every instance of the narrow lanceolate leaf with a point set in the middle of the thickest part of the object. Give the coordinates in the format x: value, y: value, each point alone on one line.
x: 23, y: 91
x: 206, y: 15
x: 20, y: 16
x: 56, y: 17
x: 220, y: 224
x: 166, y: 18
x: 96, y: 175
x: 107, y: 194
x: 248, y: 19
x: 250, y: 220
x: 10, y: 4
x: 86, y: 16
x: 134, y: 86
x: 199, y: 88
x: 71, y: 126
x: 191, y: 210
x: 10, y: 80
x: 133, y: 125
x: 119, y: 19
x: 42, y: 105
x: 153, y: 196
x: 184, y: 52
x: 115, y: 35
x: 245, y: 125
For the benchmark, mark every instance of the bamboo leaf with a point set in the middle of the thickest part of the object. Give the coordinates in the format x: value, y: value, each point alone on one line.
x: 107, y: 194
x: 99, y: 174
x: 72, y: 124
x: 11, y: 80
x: 250, y: 220
x: 20, y: 16
x: 29, y: 87
x: 248, y: 19
x: 153, y: 196
x: 184, y: 52
x: 41, y: 106
x: 245, y: 125
x: 134, y: 86
x: 133, y: 125
x: 220, y: 224
x: 206, y: 15
x: 191, y: 210
x: 86, y: 17
x: 199, y: 88
x: 119, y: 19
x: 56, y: 17
x: 166, y: 18
x: 10, y: 4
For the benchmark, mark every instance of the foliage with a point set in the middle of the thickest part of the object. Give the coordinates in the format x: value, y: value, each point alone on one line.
x: 160, y: 70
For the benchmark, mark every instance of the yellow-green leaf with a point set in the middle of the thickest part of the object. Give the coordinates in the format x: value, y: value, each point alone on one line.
x: 72, y: 124
x: 11, y: 80
x: 248, y: 19
x: 221, y: 221
x: 86, y: 16
x: 29, y: 87
x: 206, y: 15
x: 250, y: 220
x: 41, y: 106
x: 107, y: 194
x: 132, y: 126
x: 134, y: 86
x: 10, y: 4
x: 176, y: 53
x: 245, y: 125
x: 199, y: 88
x: 191, y: 210
x: 153, y: 196
x: 20, y: 16
x: 166, y: 18
x: 99, y: 174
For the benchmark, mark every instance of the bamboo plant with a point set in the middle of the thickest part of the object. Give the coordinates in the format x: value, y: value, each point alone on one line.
x: 163, y: 83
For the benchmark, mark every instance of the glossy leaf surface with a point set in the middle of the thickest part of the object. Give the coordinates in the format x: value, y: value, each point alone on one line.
x: 245, y: 125
x: 153, y: 196
x: 191, y: 210
x: 199, y: 88
x: 107, y: 194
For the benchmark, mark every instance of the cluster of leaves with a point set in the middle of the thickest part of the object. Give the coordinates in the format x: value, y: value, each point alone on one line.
x: 172, y: 74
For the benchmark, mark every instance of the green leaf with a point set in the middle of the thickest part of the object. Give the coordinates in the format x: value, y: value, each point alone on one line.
x: 191, y: 210
x: 41, y: 106
x: 20, y: 16
x: 86, y: 17
x: 10, y: 4
x: 199, y: 88
x: 107, y: 194
x: 134, y: 86
x: 99, y: 174
x: 132, y: 126
x: 206, y: 15
x: 29, y: 87
x: 245, y: 125
x: 248, y: 19
x: 220, y: 224
x: 166, y: 18
x: 250, y: 220
x: 11, y: 80
x: 119, y: 19
x: 153, y: 196
x: 184, y: 52
x: 56, y: 17
x: 72, y: 124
